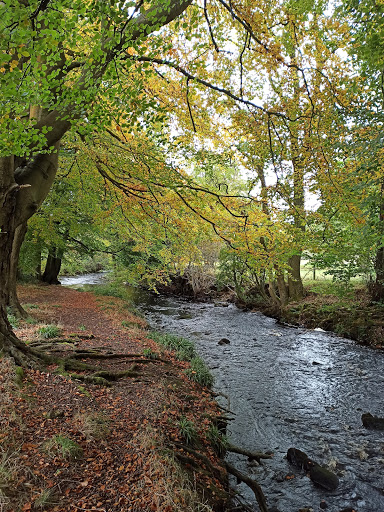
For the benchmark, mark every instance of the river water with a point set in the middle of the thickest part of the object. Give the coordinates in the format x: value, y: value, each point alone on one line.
x: 288, y: 387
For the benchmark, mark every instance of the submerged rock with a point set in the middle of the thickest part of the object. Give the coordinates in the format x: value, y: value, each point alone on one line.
x: 318, y: 474
x: 374, y: 422
x: 299, y: 459
x: 323, y: 477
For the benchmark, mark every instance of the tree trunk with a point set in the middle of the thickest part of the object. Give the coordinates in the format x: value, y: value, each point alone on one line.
x: 295, y: 284
x: 13, y: 301
x: 9, y: 344
x: 52, y: 267
x: 377, y: 288
x: 283, y: 291
x: 21, y: 192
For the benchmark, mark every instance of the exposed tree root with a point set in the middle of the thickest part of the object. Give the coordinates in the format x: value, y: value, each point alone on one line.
x: 94, y: 354
x: 91, y: 379
x: 22, y: 354
x: 105, y: 377
x: 113, y: 376
x: 213, y: 469
x: 135, y: 358
x: 252, y: 484
x: 251, y: 455
x: 72, y: 364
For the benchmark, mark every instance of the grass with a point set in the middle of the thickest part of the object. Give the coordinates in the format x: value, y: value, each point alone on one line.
x: 111, y: 290
x: 49, y: 331
x: 218, y: 440
x: 31, y: 321
x: 47, y: 498
x: 187, y: 430
x: 185, y: 349
x: 8, y: 471
x: 19, y: 375
x: 199, y: 372
x: 128, y: 323
x: 63, y: 447
x: 31, y: 306
x: 94, y: 426
x: 13, y: 320
x: 150, y: 354
x: 176, y: 489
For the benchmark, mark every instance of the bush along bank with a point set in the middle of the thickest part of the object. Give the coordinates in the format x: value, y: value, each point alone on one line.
x: 353, y: 316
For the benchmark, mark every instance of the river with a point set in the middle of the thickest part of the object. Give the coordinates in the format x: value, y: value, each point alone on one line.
x: 288, y: 387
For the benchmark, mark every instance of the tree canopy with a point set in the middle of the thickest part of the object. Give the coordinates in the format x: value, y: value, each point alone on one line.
x: 253, y: 125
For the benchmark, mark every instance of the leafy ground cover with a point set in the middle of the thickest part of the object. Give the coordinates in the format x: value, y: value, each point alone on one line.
x: 69, y: 445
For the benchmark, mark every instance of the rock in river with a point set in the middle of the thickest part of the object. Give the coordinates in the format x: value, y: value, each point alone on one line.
x: 319, y: 475
x: 323, y: 477
x: 374, y: 422
x: 299, y: 459
x: 224, y: 341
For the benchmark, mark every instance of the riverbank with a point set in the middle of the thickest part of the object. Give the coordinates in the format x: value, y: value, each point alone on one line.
x: 134, y: 445
x: 346, y: 310
x: 352, y: 315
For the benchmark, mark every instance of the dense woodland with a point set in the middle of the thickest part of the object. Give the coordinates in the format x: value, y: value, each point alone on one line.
x: 225, y: 142
x: 225, y: 149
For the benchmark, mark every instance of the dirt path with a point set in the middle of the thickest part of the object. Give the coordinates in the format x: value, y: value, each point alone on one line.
x: 67, y: 445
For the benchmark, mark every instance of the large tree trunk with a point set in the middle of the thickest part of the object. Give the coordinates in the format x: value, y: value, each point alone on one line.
x: 22, y: 191
x: 295, y: 283
x: 52, y: 267
x: 9, y: 189
x: 13, y: 301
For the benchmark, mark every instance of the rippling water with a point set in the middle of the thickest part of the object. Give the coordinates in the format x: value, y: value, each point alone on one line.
x: 287, y: 388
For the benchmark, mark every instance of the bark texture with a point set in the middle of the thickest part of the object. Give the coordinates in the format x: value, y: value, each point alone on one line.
x: 13, y: 301
x: 52, y: 267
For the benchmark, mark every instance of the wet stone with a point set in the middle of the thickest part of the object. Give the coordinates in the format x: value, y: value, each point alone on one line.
x: 373, y: 422
x: 323, y: 477
x: 299, y: 459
